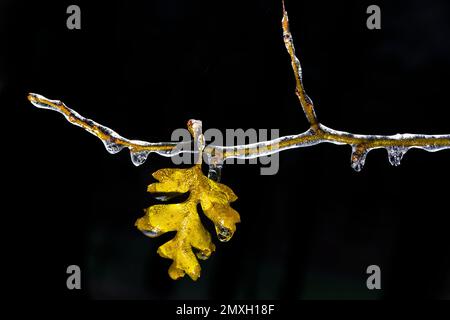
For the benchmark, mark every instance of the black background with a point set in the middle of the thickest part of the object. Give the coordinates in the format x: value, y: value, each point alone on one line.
x: 144, y: 68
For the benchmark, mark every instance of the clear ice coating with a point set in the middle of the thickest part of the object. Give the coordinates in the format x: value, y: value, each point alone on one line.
x: 223, y: 234
x: 152, y: 233
x: 139, y: 157
x: 395, y: 154
x: 112, y: 141
x: 396, y: 145
x: 112, y: 147
x: 265, y: 148
x: 166, y: 196
x: 203, y: 254
x: 358, y: 158
x: 215, y: 172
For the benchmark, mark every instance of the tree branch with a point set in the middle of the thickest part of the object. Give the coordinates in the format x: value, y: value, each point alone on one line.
x: 396, y: 145
x: 305, y: 101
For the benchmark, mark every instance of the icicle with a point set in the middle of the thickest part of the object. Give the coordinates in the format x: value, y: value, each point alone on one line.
x: 215, y: 161
x: 358, y: 157
x: 138, y: 157
x: 395, y: 154
x: 112, y: 147
x: 215, y: 172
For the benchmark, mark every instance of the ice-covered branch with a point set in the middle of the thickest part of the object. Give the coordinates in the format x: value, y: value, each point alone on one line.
x: 396, y: 145
x: 305, y: 101
x: 114, y: 143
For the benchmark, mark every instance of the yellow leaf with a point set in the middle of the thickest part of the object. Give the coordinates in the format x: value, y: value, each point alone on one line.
x: 214, y: 199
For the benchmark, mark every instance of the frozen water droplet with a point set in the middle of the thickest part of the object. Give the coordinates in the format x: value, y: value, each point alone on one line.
x: 396, y: 154
x: 151, y: 233
x: 358, y: 157
x: 167, y: 196
x: 139, y: 157
x: 215, y: 172
x: 204, y: 254
x: 224, y: 234
x: 112, y: 147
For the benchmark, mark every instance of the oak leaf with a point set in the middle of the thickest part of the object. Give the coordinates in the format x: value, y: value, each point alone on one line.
x: 214, y: 199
